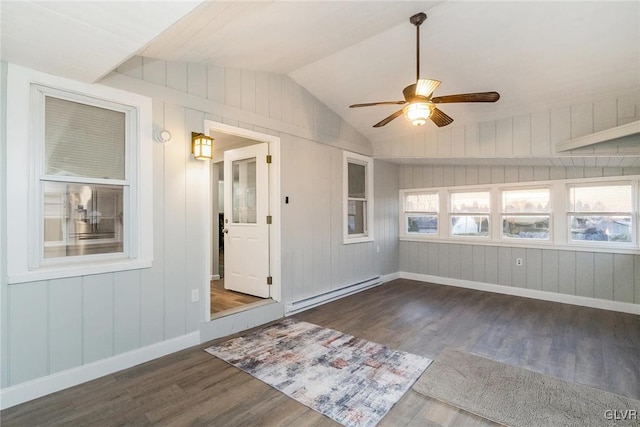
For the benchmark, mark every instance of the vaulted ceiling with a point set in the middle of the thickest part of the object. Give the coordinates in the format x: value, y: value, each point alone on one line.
x: 538, y: 55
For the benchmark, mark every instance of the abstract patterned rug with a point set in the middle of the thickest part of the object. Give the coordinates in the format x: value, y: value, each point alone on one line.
x: 350, y: 380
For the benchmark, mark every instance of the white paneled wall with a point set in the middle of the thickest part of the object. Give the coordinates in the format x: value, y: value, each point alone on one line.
x: 52, y: 326
x: 612, y: 277
x: 532, y: 135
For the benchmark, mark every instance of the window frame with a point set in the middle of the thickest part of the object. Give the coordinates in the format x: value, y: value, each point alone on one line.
x: 502, y: 213
x: 404, y: 232
x: 367, y: 162
x: 39, y: 93
x: 559, y: 216
x: 451, y: 213
x: 26, y: 168
x: 633, y: 214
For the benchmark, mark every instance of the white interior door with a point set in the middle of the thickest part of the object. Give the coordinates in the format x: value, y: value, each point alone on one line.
x: 246, y: 232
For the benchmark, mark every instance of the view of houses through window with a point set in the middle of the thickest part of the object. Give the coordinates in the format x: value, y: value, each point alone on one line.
x: 594, y: 212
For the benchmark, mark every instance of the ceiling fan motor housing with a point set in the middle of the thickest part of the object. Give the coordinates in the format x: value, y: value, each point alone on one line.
x: 418, y: 18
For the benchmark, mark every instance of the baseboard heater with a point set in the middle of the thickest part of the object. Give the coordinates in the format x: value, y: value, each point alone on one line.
x: 307, y: 303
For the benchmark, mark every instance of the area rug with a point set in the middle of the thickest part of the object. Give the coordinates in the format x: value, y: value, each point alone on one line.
x: 350, y: 380
x: 518, y: 397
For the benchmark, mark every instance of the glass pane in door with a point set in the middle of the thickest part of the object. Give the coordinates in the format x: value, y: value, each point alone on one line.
x: 244, y: 191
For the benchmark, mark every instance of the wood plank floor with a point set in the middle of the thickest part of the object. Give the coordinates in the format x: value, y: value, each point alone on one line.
x: 597, y: 348
x: 223, y: 299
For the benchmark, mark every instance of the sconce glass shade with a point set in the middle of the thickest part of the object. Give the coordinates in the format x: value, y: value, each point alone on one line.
x: 201, y: 146
x: 418, y: 113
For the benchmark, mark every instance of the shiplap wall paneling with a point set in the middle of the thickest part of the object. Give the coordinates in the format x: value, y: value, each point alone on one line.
x: 197, y: 80
x: 540, y: 133
x: 65, y: 323
x: 623, y: 282
x: 28, y: 331
x: 275, y: 96
x: 636, y: 276
x: 519, y: 272
x: 126, y: 308
x: 320, y: 197
x: 154, y: 71
x: 454, y: 253
x: 585, y: 274
x: 215, y: 83
x: 472, y: 140
x: 386, y: 209
x: 628, y: 108
x: 305, y: 216
x: 97, y: 317
x: 504, y: 266
x: 466, y: 262
x: 534, y: 268
x: 153, y: 280
x: 4, y: 294
x: 567, y: 272
x: 177, y: 75
x: 479, y: 264
x: 197, y: 219
x: 175, y: 220
x: 603, y: 276
x: 491, y: 264
x: 533, y: 134
x: 550, y: 275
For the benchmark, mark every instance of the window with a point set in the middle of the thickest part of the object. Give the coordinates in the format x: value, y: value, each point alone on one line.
x: 421, y: 213
x: 78, y: 156
x: 83, y: 178
x: 601, y: 213
x: 470, y: 214
x: 358, y: 188
x: 526, y: 213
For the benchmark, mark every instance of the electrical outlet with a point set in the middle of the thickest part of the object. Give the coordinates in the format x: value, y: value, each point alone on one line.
x: 195, y: 295
x: 519, y: 262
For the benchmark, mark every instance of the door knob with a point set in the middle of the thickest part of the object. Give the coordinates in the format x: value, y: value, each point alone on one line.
x: 226, y: 230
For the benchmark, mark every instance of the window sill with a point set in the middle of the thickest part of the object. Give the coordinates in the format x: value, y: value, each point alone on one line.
x: 63, y: 271
x: 361, y: 239
x: 526, y: 245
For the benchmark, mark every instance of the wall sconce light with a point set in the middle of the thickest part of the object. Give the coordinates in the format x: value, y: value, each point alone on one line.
x: 201, y: 146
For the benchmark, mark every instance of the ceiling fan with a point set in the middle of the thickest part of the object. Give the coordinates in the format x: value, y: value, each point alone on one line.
x: 419, y: 104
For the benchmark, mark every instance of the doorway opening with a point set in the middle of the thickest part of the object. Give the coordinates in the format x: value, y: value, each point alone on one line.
x: 223, y: 300
x: 244, y: 269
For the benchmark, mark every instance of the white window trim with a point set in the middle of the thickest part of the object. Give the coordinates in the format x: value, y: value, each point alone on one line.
x: 559, y: 231
x: 634, y: 214
x: 24, y: 160
x: 367, y: 162
x: 502, y: 213
x: 449, y: 195
x: 404, y: 213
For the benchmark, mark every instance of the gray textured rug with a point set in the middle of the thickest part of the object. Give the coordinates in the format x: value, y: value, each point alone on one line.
x: 519, y: 397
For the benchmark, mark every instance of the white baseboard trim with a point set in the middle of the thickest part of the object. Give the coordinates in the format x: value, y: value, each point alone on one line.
x: 39, y: 387
x: 215, y: 277
x: 389, y: 277
x: 623, y: 307
x: 306, y: 304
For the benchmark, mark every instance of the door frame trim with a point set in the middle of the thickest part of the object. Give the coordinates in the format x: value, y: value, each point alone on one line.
x: 275, y: 264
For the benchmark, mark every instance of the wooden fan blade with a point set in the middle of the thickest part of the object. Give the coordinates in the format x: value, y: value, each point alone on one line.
x: 467, y: 97
x: 440, y: 118
x: 371, y: 104
x: 425, y: 87
x: 388, y: 119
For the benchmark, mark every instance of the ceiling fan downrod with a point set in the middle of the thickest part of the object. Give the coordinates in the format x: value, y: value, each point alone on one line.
x: 417, y: 20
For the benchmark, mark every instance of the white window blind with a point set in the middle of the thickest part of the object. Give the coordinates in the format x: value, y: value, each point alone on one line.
x: 83, y: 140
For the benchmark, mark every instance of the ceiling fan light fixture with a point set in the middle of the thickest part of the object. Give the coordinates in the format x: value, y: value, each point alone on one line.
x: 418, y: 112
